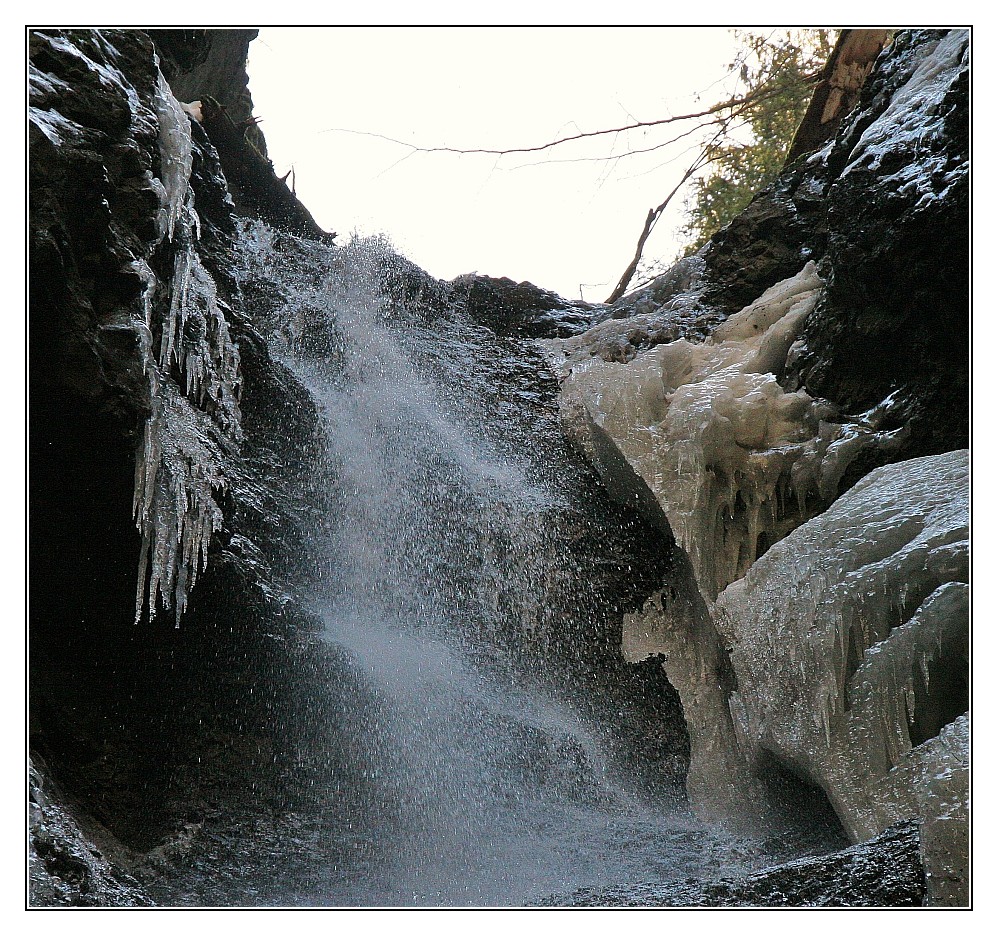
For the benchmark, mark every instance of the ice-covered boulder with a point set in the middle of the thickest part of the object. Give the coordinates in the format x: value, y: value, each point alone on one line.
x: 842, y: 658
x: 849, y: 645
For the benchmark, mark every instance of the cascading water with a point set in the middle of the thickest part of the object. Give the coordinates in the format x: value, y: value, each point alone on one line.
x: 461, y: 780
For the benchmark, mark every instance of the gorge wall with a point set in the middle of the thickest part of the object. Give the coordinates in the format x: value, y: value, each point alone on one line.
x: 159, y: 426
x: 761, y: 557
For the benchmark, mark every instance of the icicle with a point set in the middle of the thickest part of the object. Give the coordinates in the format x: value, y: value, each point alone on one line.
x: 175, y: 155
x: 181, y: 466
x: 180, y: 474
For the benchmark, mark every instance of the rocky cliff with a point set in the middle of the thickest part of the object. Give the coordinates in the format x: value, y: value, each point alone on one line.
x: 775, y: 424
x: 159, y: 425
x: 819, y: 628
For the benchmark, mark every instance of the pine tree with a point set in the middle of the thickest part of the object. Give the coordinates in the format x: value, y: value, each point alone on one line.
x: 777, y: 73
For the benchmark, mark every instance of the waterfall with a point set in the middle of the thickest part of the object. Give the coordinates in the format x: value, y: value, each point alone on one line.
x: 482, y: 596
x: 472, y: 783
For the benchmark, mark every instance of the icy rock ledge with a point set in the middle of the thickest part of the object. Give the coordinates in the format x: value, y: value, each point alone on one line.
x: 703, y: 439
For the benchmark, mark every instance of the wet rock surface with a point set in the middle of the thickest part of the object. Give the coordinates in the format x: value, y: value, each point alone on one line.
x: 886, y: 209
x: 521, y: 309
x: 896, y: 315
x: 65, y: 867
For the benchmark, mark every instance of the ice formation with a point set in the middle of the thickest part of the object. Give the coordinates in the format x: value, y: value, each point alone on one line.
x: 175, y: 155
x: 675, y: 625
x: 192, y: 376
x: 733, y: 461
x: 834, y: 643
x: 859, y: 606
x: 177, y: 478
x: 196, y: 335
x: 180, y: 468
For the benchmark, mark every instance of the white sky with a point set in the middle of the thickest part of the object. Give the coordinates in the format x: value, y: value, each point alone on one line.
x: 536, y: 217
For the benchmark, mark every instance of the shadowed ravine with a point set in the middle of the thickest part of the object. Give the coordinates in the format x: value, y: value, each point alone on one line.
x: 354, y: 587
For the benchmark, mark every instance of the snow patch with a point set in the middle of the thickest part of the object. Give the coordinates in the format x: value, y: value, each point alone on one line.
x: 903, y: 124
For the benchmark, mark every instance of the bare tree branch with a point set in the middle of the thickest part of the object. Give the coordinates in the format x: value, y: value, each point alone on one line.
x: 720, y: 116
x: 707, y: 155
x: 613, y: 157
x: 754, y: 97
x: 711, y: 152
x: 650, y: 221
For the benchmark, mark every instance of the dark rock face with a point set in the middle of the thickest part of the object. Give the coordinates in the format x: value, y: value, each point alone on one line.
x: 769, y: 241
x: 150, y: 727
x: 896, y: 315
x: 201, y: 63
x: 98, y: 166
x: 93, y: 207
x: 884, y: 211
x: 886, y: 215
x: 256, y: 189
x: 208, y: 66
x: 885, y: 872
x: 521, y: 309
